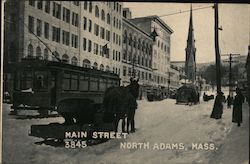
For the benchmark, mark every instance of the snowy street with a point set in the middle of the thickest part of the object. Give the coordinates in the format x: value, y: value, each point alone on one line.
x: 158, y: 124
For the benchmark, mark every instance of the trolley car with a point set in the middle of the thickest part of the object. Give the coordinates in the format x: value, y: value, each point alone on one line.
x: 42, y: 85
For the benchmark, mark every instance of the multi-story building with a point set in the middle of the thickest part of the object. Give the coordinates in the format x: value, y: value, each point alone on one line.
x: 137, y: 54
x: 73, y: 31
x: 160, y: 32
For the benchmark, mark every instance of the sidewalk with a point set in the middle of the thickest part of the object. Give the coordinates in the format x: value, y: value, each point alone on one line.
x: 236, y: 146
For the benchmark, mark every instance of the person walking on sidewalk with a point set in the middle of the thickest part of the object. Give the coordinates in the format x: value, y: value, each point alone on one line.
x: 237, y: 107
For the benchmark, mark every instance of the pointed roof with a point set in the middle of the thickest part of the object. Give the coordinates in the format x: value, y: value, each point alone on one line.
x: 191, y: 29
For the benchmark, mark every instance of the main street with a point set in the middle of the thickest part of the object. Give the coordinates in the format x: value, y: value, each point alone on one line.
x: 160, y: 124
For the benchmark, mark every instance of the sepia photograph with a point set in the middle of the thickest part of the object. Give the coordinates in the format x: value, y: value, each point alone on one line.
x: 122, y: 82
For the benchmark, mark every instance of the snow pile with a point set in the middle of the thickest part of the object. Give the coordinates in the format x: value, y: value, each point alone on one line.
x: 156, y: 122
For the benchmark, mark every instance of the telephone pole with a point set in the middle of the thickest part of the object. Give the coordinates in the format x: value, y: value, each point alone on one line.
x: 217, y: 109
x: 230, y: 61
x: 217, y: 50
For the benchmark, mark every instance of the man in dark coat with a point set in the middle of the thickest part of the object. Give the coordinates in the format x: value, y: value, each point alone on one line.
x: 237, y: 108
x: 229, y: 101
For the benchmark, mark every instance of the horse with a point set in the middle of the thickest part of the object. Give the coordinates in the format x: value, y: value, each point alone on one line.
x: 120, y: 103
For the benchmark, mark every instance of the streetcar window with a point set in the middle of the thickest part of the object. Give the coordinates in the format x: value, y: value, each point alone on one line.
x: 41, y: 81
x: 93, y: 84
x: 84, y: 83
x: 109, y: 83
x: 70, y: 82
x: 26, y: 80
x: 103, y: 84
x: 74, y: 82
x: 66, y: 81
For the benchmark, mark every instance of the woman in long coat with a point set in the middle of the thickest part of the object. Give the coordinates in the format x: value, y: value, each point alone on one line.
x: 237, y: 108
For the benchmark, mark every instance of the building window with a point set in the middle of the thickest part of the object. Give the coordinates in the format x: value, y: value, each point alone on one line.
x: 56, y: 10
x: 103, y: 15
x: 84, y: 44
x: 74, y: 40
x: 56, y: 34
x: 46, y: 30
x: 76, y: 3
x: 31, y: 2
x: 102, y: 67
x: 86, y: 63
x: 90, y: 25
x: 124, y: 70
x: 40, y: 4
x: 75, y: 19
x: 65, y: 37
x: 30, y: 50
x: 65, y: 58
x: 31, y: 24
x: 66, y: 15
x: 108, y: 18
x: 55, y: 56
x: 85, y: 5
x: 96, y: 12
x: 84, y: 23
x: 38, y: 27
x: 113, y: 37
x: 47, y: 6
x: 107, y: 68
x: 102, y: 33
x: 90, y: 7
x: 46, y: 54
x: 96, y: 46
x: 89, y: 46
x: 74, y: 61
x: 95, y: 65
x: 96, y: 28
x: 107, y: 35
x: 114, y: 22
x: 120, y: 24
x: 119, y: 56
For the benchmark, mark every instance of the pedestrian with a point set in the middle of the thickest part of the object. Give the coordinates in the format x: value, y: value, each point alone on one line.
x: 218, y: 107
x: 229, y: 101
x: 237, y: 107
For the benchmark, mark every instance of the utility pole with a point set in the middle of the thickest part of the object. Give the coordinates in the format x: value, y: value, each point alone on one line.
x: 217, y: 50
x: 217, y: 109
x: 230, y: 70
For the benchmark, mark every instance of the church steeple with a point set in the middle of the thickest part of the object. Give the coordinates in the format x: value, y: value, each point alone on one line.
x: 190, y: 64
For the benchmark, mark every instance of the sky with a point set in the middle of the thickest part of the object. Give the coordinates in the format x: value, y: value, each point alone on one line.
x: 233, y: 18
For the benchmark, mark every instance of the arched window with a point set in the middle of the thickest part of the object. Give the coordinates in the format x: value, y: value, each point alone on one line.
x: 55, y: 54
x: 95, y: 65
x: 38, y: 52
x: 86, y: 63
x: 108, y: 18
x: 96, y: 12
x: 103, y: 15
x: 102, y: 67
x: 65, y: 58
x: 107, y: 68
x: 46, y: 54
x: 30, y: 50
x: 90, y: 7
x: 85, y: 5
x: 120, y: 25
x: 74, y: 61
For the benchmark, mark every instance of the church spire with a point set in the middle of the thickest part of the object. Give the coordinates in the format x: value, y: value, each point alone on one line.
x: 190, y: 64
